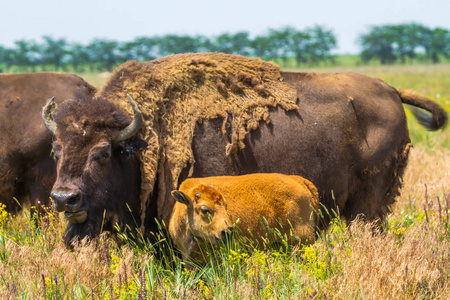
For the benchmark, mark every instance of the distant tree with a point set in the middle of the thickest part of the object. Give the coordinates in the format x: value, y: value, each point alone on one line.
x: 7, y: 58
x: 281, y: 43
x: 320, y: 42
x: 437, y: 44
x: 141, y: 49
x: 407, y: 39
x: 204, y: 43
x: 238, y: 43
x: 105, y: 52
x: 27, y: 55
x: 262, y: 46
x: 78, y: 56
x: 400, y: 41
x: 418, y: 37
x: 173, y: 44
x: 53, y: 51
x: 2, y: 59
x: 300, y: 44
x: 378, y: 44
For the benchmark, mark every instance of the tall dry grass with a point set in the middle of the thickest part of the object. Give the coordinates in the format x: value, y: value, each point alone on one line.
x: 412, y: 259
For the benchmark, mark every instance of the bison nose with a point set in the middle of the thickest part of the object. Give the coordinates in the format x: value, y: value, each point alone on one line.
x: 70, y: 202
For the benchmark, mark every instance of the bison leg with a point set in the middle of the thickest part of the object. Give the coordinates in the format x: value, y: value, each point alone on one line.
x: 377, y: 191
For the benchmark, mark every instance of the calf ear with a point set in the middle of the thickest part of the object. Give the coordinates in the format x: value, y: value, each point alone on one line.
x: 181, y: 197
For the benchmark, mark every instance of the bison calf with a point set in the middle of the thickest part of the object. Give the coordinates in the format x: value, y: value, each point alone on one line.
x: 288, y: 203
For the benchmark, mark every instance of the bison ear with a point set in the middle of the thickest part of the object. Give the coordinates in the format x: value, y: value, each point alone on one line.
x: 181, y: 197
x: 133, y: 146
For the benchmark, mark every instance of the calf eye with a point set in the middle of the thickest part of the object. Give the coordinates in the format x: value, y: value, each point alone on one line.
x: 197, y: 196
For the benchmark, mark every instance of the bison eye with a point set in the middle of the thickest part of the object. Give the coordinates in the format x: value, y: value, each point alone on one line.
x: 104, y: 157
x: 56, y: 151
x: 101, y: 152
x: 197, y: 196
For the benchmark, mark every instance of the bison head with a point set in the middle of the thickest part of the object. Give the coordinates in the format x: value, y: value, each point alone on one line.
x: 98, y: 173
x: 206, y: 213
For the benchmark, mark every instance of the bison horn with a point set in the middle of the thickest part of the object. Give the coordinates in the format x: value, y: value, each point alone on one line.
x: 47, y: 115
x: 134, y: 126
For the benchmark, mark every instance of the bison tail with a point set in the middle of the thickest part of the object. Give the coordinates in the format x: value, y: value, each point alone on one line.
x: 434, y: 121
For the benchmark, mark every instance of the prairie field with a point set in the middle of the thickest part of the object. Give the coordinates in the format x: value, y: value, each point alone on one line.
x: 410, y: 259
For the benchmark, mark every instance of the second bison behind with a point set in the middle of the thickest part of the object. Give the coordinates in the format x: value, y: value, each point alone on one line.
x: 288, y: 203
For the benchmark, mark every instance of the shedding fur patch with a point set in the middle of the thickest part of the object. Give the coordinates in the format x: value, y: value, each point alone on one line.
x: 177, y: 91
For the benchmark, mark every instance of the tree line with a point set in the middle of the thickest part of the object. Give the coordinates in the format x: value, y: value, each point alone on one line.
x: 399, y: 43
x: 287, y: 46
x: 309, y: 45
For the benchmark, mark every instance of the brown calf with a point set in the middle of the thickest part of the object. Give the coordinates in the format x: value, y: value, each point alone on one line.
x: 288, y: 203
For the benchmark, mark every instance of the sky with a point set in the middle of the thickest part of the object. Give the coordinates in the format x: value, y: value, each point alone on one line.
x: 123, y: 20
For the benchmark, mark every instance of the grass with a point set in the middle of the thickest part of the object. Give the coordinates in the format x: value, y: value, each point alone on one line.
x: 411, y: 260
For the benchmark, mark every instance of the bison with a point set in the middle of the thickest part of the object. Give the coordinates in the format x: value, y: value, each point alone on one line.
x: 264, y: 206
x: 26, y: 168
x: 98, y: 174
x: 348, y: 136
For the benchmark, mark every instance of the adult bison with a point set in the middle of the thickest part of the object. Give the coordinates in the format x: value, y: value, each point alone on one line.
x: 216, y: 114
x: 26, y: 168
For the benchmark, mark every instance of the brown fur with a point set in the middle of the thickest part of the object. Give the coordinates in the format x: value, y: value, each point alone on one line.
x: 26, y: 168
x: 255, y: 202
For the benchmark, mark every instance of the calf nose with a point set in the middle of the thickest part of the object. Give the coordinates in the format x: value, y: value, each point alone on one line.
x: 70, y: 202
x: 226, y: 233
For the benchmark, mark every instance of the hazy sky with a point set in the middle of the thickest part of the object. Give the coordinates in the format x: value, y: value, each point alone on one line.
x: 123, y: 20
